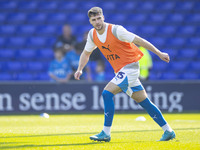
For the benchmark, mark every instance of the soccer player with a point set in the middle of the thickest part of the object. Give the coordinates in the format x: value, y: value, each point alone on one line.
x: 118, y: 46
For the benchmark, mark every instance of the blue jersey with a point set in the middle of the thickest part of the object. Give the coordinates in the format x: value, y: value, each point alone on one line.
x: 100, y: 77
x: 73, y: 58
x: 60, y: 68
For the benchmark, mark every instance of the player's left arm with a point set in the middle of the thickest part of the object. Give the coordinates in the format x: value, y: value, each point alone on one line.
x: 144, y: 43
x: 67, y: 78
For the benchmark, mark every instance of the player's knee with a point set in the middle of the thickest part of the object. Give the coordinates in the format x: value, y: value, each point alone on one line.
x: 106, y: 94
x: 139, y: 96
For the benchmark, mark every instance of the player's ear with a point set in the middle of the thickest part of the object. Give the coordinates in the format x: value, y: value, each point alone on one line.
x: 103, y: 18
x: 90, y: 21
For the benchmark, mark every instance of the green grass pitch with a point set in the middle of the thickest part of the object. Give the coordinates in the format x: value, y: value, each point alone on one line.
x: 72, y: 132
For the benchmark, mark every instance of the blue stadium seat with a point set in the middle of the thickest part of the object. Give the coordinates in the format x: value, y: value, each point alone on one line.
x: 127, y: 7
x: 108, y: 67
x: 68, y: 6
x: 131, y: 28
x: 184, y: 7
x: 36, y: 18
x: 165, y: 6
x: 178, y: 66
x: 116, y: 18
x: 195, y: 66
x: 45, y: 55
x: 14, y: 66
x: 26, y: 30
x: 45, y: 65
x: 3, y: 17
x: 154, y: 75
x: 147, y: 30
x: 3, y: 42
x: 136, y: 19
x: 86, y: 5
x: 196, y: 7
x: 186, y: 30
x: 25, y: 76
x: 176, y: 42
x: 190, y: 76
x: 157, y: 41
x: 188, y: 54
x: 27, y: 6
x: 168, y: 30
x: 169, y: 76
x: 51, y: 41
x: 154, y: 57
x: 157, y: 18
x: 16, y: 42
x: 57, y: 18
x: 47, y: 30
x: 173, y: 53
x: 145, y: 6
x: 197, y: 31
x: 37, y: 42
x: 5, y: 77
x: 77, y: 18
x: 160, y: 66
x: 92, y: 65
x: 108, y: 6
x: 16, y: 18
x: 47, y: 6
x: 8, y: 6
x: 35, y: 66
x: 175, y: 19
x: 43, y: 76
x: 194, y: 42
x: 193, y: 19
x: 26, y: 54
x: 7, y: 54
x: 198, y: 55
x: 109, y: 76
x: 2, y: 66
x: 7, y: 30
x: 80, y: 30
x: 75, y: 29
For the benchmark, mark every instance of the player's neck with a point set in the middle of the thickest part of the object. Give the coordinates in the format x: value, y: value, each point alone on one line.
x: 59, y: 59
x: 103, y: 29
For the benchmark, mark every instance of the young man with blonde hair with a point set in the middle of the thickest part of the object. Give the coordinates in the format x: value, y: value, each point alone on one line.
x: 118, y: 46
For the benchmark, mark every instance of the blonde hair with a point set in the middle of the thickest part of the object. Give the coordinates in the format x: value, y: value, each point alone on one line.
x: 95, y: 11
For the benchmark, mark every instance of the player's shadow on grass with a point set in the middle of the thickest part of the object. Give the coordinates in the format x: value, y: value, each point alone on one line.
x: 53, y: 145
x: 7, y: 143
x: 91, y: 133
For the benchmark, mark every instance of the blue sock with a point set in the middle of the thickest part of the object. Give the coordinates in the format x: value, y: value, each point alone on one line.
x: 109, y: 107
x: 153, y: 111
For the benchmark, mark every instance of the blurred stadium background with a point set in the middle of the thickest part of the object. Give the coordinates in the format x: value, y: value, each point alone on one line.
x: 28, y: 30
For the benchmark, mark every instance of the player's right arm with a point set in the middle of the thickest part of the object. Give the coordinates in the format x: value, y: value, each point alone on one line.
x: 84, y: 58
x: 85, y: 55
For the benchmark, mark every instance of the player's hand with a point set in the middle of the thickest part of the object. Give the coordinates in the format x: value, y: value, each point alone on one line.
x: 77, y: 75
x: 164, y: 57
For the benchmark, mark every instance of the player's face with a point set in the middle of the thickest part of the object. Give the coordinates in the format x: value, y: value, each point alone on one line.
x: 97, y: 22
x: 58, y: 55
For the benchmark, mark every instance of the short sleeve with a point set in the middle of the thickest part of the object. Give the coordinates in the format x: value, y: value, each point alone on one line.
x: 90, y: 46
x: 69, y: 68
x: 50, y: 71
x: 124, y: 35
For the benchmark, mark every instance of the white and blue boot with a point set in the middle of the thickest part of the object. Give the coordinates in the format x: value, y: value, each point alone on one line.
x: 101, y: 137
x: 168, y: 136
